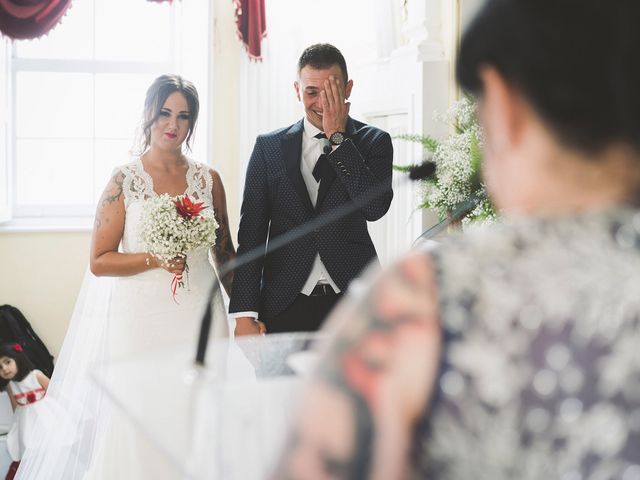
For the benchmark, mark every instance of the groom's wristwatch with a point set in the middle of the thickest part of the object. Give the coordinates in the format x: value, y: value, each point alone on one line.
x: 336, y: 138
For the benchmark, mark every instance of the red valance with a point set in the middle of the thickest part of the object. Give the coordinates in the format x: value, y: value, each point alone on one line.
x: 251, y: 25
x: 23, y: 19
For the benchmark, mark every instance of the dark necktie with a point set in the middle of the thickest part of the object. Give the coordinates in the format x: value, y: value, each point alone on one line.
x: 322, y: 163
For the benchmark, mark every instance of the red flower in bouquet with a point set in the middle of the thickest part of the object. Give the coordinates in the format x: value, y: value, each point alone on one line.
x: 186, y: 208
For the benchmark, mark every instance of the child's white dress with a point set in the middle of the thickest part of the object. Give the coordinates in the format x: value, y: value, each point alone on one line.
x: 31, y: 409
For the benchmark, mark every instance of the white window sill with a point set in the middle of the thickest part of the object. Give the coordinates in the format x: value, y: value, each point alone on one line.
x: 47, y: 224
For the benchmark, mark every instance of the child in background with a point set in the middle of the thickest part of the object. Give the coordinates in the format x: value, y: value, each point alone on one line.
x: 26, y: 387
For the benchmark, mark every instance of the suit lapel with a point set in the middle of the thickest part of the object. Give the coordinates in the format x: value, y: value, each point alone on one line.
x: 330, y: 175
x: 291, y: 153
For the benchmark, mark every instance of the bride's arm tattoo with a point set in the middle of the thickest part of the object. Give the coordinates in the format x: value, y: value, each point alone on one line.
x: 112, y: 194
x: 116, y: 190
x: 223, y: 249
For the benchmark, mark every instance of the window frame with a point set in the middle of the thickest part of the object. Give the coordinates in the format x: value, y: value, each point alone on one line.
x: 5, y: 164
x: 15, y: 216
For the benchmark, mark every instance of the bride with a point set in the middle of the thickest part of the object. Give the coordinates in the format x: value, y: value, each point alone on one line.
x: 126, y: 308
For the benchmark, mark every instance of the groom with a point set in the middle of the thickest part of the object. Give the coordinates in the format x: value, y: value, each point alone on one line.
x: 318, y: 164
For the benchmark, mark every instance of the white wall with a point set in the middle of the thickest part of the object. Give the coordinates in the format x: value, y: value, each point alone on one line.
x: 224, y: 107
x: 41, y: 275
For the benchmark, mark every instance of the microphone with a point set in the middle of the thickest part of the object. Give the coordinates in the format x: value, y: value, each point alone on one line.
x: 417, y: 172
x: 424, y: 170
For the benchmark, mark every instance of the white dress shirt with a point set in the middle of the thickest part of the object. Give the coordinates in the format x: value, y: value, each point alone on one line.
x: 311, y: 151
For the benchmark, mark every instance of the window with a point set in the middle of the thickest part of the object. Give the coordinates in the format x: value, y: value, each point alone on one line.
x: 76, y: 99
x: 5, y: 212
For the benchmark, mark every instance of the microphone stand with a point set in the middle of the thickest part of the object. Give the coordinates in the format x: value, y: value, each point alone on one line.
x: 461, y: 211
x: 418, y: 172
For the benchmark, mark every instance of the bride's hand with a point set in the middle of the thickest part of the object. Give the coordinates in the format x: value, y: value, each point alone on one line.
x: 175, y: 265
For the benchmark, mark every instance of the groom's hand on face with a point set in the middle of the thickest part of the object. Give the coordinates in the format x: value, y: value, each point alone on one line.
x: 335, y: 108
x: 249, y: 326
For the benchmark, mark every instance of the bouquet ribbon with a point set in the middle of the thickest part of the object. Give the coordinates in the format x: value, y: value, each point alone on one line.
x: 175, y: 283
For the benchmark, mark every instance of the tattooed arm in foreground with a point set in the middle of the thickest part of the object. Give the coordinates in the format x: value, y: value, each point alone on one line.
x: 105, y: 260
x: 223, y: 250
x: 356, y: 418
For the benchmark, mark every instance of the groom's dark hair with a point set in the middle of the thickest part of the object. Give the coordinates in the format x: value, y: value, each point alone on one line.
x: 321, y: 56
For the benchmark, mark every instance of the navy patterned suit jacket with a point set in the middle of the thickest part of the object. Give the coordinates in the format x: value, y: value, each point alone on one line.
x: 276, y: 200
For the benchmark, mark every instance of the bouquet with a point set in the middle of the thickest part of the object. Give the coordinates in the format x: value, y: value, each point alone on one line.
x: 172, y: 227
x: 457, y: 160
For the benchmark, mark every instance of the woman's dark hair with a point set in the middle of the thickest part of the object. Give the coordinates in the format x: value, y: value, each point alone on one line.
x: 157, y: 94
x: 575, y: 61
x: 23, y: 364
x: 321, y: 56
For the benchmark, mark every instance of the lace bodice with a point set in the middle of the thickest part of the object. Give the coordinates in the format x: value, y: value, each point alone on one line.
x: 138, y: 184
x: 540, y: 367
x: 137, y: 187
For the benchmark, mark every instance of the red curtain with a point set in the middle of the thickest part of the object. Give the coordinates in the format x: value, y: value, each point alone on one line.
x: 23, y: 19
x: 251, y: 25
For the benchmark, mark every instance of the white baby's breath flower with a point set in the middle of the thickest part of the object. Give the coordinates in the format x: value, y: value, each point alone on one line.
x: 457, y: 169
x: 166, y: 234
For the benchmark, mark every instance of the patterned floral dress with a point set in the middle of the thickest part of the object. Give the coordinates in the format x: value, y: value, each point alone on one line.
x: 540, y: 372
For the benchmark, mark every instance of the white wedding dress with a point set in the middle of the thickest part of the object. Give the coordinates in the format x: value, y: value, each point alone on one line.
x: 120, y: 318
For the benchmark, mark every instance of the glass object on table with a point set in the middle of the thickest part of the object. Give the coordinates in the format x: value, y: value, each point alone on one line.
x: 226, y: 420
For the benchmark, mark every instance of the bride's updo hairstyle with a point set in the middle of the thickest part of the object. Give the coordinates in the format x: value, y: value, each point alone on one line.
x: 576, y: 62
x: 157, y: 94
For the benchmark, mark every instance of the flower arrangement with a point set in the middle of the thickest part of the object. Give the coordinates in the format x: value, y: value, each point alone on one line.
x: 172, y: 227
x: 457, y: 158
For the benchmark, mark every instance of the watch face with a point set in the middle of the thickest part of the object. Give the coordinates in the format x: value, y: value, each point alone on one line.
x: 336, y: 138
